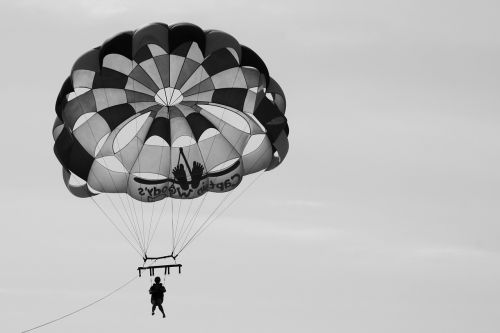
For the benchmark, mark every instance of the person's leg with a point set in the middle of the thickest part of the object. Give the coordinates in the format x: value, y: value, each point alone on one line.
x: 154, y: 308
x: 161, y: 309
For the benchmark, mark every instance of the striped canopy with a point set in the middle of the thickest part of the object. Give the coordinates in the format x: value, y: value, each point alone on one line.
x: 168, y: 111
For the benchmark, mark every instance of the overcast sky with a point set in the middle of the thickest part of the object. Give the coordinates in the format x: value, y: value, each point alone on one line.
x: 384, y: 216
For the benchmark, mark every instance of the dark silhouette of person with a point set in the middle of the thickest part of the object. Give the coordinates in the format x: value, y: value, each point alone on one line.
x: 157, y: 290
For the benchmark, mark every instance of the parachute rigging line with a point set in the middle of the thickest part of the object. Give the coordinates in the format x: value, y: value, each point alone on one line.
x: 134, y: 234
x: 157, y: 223
x: 172, y: 210
x: 110, y: 220
x: 193, y: 220
x: 83, y: 307
x: 205, y: 225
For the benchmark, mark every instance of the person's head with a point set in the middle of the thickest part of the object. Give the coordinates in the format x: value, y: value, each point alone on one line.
x: 157, y: 279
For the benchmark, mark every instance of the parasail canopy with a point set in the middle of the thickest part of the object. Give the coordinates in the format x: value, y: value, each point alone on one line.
x: 168, y: 112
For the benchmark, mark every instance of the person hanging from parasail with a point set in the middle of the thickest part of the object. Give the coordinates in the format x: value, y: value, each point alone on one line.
x: 156, y: 291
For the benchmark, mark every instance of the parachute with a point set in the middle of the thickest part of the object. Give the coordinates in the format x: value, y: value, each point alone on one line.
x: 167, y: 113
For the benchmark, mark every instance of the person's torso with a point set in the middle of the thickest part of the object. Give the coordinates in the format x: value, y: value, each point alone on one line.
x: 157, y: 290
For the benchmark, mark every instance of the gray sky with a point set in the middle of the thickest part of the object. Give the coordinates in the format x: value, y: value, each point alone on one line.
x: 384, y: 216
